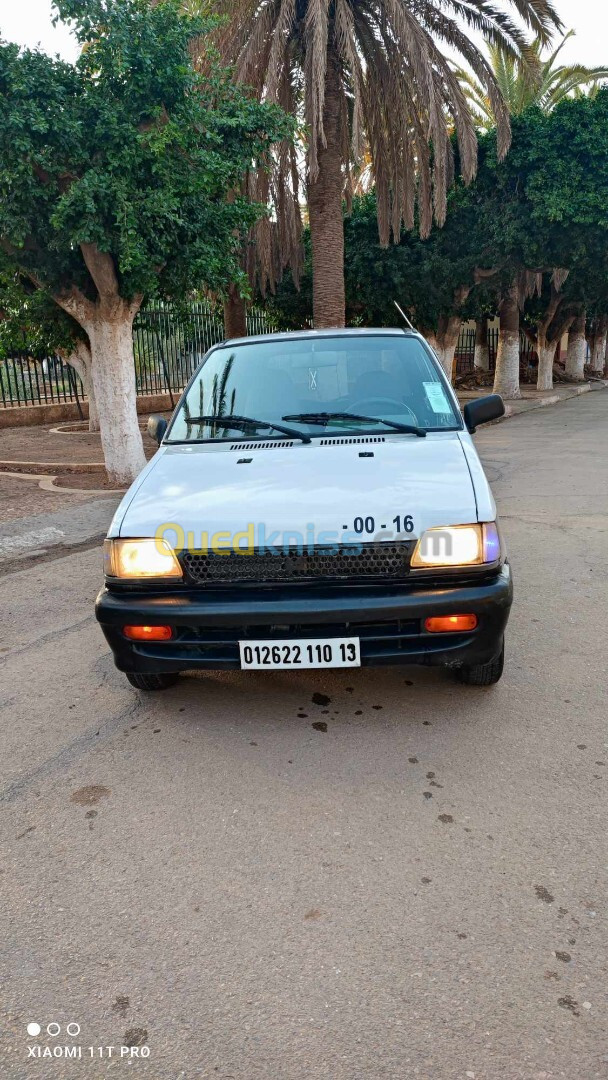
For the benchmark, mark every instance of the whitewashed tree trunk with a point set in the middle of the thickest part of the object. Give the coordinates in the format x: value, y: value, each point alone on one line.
x: 598, y: 353
x: 431, y: 337
x: 482, y: 347
x: 577, y: 349
x: 113, y: 371
x: 447, y: 357
x: 546, y: 356
x: 89, y: 390
x: 447, y: 342
x: 80, y: 360
x: 506, y: 379
x: 108, y: 322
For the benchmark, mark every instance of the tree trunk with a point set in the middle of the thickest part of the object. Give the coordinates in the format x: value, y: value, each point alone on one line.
x: 113, y: 371
x: 325, y: 211
x: 482, y: 347
x: 506, y: 379
x: 235, y: 315
x: 87, y: 382
x: 546, y: 356
x: 448, y: 334
x: 577, y: 348
x: 598, y: 351
x: 80, y: 360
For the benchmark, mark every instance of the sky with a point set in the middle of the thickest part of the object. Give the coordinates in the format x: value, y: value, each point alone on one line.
x: 28, y: 22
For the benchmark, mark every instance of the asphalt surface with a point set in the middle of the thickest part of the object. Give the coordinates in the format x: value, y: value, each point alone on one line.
x: 417, y: 892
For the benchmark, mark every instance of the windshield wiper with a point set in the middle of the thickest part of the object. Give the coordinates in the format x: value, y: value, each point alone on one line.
x: 324, y: 417
x: 237, y: 422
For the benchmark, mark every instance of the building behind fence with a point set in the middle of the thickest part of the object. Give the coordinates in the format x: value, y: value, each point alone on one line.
x: 169, y: 343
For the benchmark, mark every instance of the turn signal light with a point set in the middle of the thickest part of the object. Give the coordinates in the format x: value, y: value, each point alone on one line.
x: 442, y: 624
x: 148, y: 633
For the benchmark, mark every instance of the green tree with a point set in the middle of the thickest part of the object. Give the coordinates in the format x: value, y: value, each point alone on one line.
x: 114, y: 174
x: 31, y: 322
x: 529, y: 235
x: 376, y: 74
x: 535, y: 81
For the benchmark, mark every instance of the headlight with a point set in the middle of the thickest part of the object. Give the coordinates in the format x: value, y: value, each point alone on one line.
x: 133, y: 559
x: 457, y: 545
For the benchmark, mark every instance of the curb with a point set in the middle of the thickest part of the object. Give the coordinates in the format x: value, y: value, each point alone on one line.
x: 525, y: 405
x: 46, y: 482
x: 521, y: 406
x: 42, y: 467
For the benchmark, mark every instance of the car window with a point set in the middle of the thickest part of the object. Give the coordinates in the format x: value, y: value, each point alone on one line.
x: 384, y: 377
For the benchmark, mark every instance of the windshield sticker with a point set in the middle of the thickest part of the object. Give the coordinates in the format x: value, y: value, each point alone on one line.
x: 436, y: 397
x: 312, y: 379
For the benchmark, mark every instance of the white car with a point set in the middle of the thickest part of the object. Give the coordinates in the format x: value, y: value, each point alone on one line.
x: 316, y: 501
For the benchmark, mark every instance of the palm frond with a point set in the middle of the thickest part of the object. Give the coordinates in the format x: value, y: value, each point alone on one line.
x: 532, y: 80
x: 399, y: 94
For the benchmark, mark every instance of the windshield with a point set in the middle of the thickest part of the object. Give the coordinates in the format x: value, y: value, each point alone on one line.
x: 311, y: 385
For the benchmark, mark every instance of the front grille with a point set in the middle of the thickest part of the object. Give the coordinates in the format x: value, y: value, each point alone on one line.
x: 349, y: 562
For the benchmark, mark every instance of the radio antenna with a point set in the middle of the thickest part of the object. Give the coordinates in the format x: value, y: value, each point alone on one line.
x: 403, y: 315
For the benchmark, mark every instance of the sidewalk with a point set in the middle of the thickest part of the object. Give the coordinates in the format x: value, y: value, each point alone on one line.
x: 535, y: 399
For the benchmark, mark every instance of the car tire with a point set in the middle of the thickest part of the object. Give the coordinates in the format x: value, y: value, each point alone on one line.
x: 483, y: 674
x: 144, y: 681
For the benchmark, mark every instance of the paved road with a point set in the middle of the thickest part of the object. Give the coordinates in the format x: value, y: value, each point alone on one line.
x: 418, y: 892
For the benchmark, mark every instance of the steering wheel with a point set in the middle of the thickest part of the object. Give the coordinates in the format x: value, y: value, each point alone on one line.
x: 368, y: 403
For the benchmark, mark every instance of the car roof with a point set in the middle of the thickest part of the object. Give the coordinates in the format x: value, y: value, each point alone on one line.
x: 312, y: 335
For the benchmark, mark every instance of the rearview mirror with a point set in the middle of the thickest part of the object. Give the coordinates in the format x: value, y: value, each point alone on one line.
x: 157, y: 425
x: 482, y: 410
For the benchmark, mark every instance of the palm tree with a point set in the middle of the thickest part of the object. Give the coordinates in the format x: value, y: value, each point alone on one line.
x: 375, y: 71
x: 542, y: 82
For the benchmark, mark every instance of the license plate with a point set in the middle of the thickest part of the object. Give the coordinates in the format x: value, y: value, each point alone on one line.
x: 300, y: 653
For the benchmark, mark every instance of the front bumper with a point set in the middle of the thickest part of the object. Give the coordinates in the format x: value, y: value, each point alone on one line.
x: 389, y: 620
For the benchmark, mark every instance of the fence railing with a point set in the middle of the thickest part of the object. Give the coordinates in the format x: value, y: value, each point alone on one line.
x: 24, y: 381
x: 465, y: 350
x: 168, y: 344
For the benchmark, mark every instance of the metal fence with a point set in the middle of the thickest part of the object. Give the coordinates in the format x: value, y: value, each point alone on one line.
x: 48, y: 381
x: 465, y: 350
x: 168, y: 343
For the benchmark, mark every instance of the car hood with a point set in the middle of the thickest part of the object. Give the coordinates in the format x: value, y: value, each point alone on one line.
x: 338, y: 488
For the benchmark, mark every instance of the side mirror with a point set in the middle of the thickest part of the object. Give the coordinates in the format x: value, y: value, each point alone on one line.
x: 482, y: 410
x: 157, y: 425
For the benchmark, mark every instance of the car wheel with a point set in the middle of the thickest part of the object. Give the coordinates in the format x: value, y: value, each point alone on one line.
x: 483, y: 674
x: 144, y: 681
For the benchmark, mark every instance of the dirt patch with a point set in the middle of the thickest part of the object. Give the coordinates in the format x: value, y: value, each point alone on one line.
x: 97, y: 481
x: 40, y: 444
x: 89, y: 795
x: 75, y: 446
